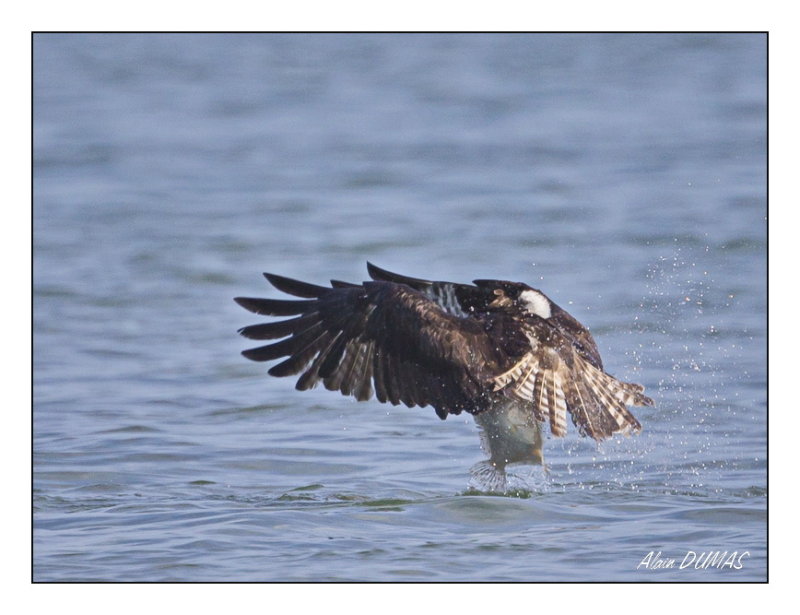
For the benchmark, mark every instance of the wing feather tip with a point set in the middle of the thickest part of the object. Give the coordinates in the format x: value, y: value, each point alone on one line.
x: 255, y: 354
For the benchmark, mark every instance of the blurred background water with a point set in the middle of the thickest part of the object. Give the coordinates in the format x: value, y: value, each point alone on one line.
x: 624, y: 175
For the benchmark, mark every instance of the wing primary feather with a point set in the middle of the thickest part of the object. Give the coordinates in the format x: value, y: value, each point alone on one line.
x: 539, y: 396
x: 331, y: 362
x: 551, y: 395
x: 389, y: 377
x: 378, y: 274
x: 310, y: 377
x: 408, y: 383
x: 275, y: 330
x: 558, y: 409
x: 347, y: 379
x: 526, y: 377
x: 611, y: 396
x: 340, y: 284
x: 377, y: 372
x: 576, y: 405
x: 352, y: 378
x: 364, y: 386
x: 286, y: 347
x: 590, y: 411
x: 296, y: 287
x: 295, y: 364
x: 275, y: 307
x: 613, y: 407
x: 338, y: 378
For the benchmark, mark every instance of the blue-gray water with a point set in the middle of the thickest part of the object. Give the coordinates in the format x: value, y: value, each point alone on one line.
x: 624, y: 175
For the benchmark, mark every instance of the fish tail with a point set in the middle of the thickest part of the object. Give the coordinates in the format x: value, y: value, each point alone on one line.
x: 489, y: 477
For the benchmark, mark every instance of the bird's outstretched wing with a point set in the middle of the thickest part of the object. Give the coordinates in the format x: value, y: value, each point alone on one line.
x: 382, y: 333
x: 557, y: 380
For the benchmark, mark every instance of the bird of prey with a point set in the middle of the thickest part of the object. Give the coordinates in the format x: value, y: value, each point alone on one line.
x: 499, y: 350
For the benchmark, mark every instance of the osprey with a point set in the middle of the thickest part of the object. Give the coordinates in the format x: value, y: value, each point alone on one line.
x: 501, y: 351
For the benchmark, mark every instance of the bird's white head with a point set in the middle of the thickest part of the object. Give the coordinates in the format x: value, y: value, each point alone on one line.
x: 535, y: 303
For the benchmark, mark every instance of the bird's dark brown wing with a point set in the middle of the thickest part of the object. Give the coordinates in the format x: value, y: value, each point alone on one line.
x: 381, y: 334
x: 577, y: 334
x: 453, y: 298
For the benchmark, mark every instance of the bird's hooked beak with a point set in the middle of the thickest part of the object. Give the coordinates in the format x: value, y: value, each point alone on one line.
x: 501, y: 299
